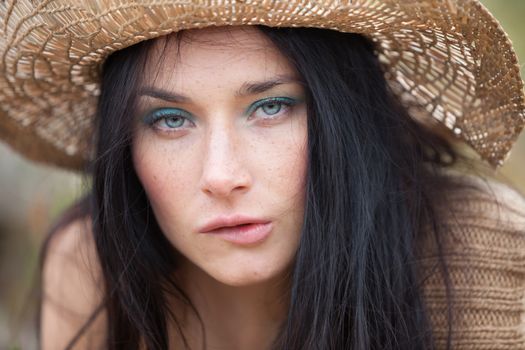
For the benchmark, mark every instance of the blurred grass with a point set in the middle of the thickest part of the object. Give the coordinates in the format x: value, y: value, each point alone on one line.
x: 32, y: 197
x: 510, y: 14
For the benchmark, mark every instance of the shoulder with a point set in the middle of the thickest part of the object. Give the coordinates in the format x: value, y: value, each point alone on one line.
x: 482, y: 239
x: 72, y: 288
x: 486, y: 197
x: 482, y: 212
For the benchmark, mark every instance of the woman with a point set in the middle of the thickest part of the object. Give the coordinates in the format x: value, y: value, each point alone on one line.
x: 257, y: 187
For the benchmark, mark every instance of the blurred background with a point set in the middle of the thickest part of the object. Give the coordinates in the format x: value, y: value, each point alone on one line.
x: 32, y: 197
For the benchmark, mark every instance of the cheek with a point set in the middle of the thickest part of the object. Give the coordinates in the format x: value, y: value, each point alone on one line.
x: 285, y: 160
x: 166, y: 178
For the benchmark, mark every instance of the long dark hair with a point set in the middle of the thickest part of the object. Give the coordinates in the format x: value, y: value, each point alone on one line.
x: 371, y: 186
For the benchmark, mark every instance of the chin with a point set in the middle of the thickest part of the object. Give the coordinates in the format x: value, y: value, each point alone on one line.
x: 247, y: 277
x: 242, y: 281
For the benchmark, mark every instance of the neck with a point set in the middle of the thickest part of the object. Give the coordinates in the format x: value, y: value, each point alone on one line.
x: 234, y: 317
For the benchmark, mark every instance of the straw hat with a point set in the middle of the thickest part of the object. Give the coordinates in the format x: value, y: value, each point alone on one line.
x: 449, y: 61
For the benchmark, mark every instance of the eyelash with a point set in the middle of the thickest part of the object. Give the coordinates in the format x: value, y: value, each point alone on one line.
x: 281, y: 101
x: 163, y: 114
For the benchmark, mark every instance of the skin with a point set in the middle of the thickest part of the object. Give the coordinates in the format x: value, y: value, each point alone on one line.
x: 230, y: 158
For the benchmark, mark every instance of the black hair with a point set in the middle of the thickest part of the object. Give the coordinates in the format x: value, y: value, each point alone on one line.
x: 371, y: 186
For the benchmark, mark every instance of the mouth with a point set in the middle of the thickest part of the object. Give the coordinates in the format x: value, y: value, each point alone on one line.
x: 238, y: 221
x: 243, y: 234
x: 240, y: 228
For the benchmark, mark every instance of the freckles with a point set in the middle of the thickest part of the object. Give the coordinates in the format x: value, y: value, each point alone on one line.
x: 284, y: 157
x: 151, y: 169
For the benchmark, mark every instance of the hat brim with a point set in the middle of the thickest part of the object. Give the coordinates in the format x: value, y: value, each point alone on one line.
x: 447, y: 61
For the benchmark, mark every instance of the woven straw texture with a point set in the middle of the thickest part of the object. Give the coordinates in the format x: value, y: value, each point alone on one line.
x: 449, y: 61
x: 484, y: 246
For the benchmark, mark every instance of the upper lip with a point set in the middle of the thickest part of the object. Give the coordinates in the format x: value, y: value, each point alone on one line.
x: 229, y: 221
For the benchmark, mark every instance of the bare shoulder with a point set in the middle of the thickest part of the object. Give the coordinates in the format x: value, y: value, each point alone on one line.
x: 72, y: 288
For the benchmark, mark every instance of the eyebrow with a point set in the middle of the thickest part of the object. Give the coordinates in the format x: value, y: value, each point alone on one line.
x: 253, y: 88
x: 246, y: 89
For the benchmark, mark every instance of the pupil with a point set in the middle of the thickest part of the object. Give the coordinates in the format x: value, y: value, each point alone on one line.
x: 173, y: 122
x: 272, y: 108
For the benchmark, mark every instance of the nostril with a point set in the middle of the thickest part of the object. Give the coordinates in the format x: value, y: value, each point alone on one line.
x: 223, y: 185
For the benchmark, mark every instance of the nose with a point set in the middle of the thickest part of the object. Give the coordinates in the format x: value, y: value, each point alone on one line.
x: 224, y: 172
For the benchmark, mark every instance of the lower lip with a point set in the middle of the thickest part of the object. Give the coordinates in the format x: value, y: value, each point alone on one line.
x: 244, y: 234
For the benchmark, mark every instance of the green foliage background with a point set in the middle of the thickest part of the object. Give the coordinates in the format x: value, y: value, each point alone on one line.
x: 511, y: 15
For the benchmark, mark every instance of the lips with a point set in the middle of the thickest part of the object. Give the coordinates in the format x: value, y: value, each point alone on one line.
x: 239, y: 230
x: 231, y: 221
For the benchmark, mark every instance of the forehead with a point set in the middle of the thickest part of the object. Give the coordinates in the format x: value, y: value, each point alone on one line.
x: 212, y: 54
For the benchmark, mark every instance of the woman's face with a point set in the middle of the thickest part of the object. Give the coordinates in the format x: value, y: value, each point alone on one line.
x: 221, y: 133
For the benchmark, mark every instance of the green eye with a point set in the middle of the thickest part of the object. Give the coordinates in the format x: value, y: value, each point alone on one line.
x: 271, y: 107
x: 172, y: 122
x: 167, y: 118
